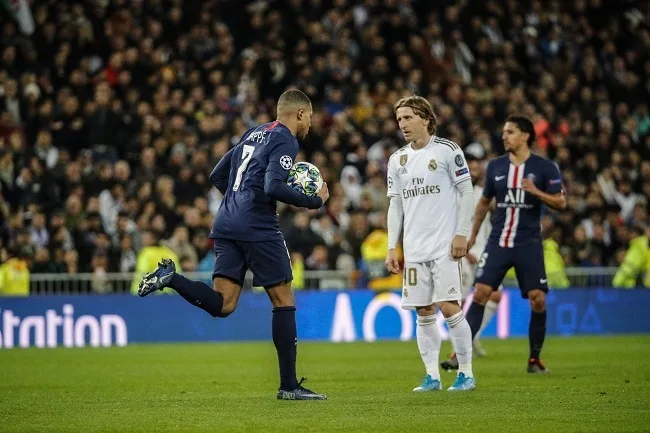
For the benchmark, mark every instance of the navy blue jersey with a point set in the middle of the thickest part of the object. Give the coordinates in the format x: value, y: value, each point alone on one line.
x: 252, y: 176
x: 516, y: 220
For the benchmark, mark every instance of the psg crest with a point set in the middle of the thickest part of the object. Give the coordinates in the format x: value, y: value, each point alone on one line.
x: 403, y: 159
x: 432, y: 165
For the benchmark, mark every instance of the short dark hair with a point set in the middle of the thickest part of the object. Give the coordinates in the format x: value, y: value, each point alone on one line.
x: 525, y: 125
x: 293, y: 100
x: 420, y: 107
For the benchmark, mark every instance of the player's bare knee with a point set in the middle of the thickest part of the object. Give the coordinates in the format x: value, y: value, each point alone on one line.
x: 281, y: 295
x: 429, y: 310
x: 537, y: 300
x: 449, y: 308
x: 229, y: 291
x: 482, y: 293
x: 496, y: 296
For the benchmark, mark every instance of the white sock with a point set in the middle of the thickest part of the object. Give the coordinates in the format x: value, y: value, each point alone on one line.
x: 461, y: 338
x: 429, y: 342
x: 490, y: 310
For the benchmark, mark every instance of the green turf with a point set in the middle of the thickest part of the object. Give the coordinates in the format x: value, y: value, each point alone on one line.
x: 598, y: 384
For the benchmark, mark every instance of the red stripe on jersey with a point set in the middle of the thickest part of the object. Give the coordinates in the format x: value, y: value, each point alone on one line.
x: 271, y: 126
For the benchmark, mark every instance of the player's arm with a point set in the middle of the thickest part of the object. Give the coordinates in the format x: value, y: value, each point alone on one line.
x: 221, y: 173
x: 275, y: 179
x: 394, y: 219
x: 461, y: 178
x: 483, y: 206
x: 553, y: 196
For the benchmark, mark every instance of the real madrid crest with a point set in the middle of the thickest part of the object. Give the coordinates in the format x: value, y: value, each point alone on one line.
x: 403, y: 159
x: 432, y: 165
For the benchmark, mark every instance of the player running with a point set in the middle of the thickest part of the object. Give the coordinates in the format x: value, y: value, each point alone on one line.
x: 252, y: 177
x: 431, y: 193
x: 470, y: 262
x: 521, y: 182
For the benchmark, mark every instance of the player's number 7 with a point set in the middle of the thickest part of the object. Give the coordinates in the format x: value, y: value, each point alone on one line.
x: 246, y: 155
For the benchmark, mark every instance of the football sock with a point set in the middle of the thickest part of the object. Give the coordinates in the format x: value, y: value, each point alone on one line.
x: 429, y: 341
x: 198, y: 293
x: 474, y: 317
x: 490, y: 310
x: 461, y: 338
x: 536, y: 333
x: 285, y: 339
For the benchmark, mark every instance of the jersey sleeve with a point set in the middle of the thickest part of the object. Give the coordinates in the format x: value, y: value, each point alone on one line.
x: 489, y: 190
x: 283, y: 153
x: 553, y: 179
x: 457, y: 166
x: 220, y: 174
x: 281, y: 160
x: 392, y: 180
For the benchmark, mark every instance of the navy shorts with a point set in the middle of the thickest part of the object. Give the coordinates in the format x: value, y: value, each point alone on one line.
x: 268, y: 260
x: 528, y: 261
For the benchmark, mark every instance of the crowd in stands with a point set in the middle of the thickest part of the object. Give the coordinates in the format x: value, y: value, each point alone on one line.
x: 113, y: 113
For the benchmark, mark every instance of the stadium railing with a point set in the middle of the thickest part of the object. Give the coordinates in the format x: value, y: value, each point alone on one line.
x: 100, y: 283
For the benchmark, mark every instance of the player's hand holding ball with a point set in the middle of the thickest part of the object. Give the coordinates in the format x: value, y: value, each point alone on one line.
x: 392, y: 262
x: 459, y: 247
x: 324, y: 192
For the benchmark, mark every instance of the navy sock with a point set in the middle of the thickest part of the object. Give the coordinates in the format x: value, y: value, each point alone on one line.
x: 537, y: 333
x: 474, y: 317
x: 285, y: 339
x: 198, y: 293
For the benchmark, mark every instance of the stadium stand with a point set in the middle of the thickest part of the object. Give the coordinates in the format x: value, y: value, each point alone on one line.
x: 113, y: 113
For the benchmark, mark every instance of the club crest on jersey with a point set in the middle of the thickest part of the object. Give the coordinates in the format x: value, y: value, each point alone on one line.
x: 459, y: 160
x: 531, y: 176
x: 403, y: 159
x: 433, y: 165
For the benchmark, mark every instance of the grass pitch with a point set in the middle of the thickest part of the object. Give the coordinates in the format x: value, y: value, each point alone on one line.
x: 599, y: 384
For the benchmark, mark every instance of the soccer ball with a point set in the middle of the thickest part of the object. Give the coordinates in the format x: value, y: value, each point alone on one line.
x: 305, y: 178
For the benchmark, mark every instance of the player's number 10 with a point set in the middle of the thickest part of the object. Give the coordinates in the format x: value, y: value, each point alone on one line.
x: 411, y: 276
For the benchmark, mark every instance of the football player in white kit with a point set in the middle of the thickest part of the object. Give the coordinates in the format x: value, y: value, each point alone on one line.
x: 470, y: 264
x: 431, y: 193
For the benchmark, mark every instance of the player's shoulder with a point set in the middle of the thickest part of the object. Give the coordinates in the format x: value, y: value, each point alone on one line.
x: 446, y: 144
x: 542, y: 162
x: 401, y: 151
x: 501, y: 160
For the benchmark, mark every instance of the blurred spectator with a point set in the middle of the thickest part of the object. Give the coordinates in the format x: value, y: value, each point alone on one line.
x: 115, y: 122
x: 637, y: 260
x: 14, y: 274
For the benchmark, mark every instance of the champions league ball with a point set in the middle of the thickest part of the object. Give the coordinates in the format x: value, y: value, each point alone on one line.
x: 305, y: 178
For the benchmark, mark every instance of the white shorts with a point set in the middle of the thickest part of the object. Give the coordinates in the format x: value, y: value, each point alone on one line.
x: 431, y: 282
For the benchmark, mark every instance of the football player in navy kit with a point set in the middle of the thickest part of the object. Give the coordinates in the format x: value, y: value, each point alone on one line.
x: 252, y: 176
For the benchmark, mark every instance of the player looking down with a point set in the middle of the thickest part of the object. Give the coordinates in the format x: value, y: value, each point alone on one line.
x: 252, y: 176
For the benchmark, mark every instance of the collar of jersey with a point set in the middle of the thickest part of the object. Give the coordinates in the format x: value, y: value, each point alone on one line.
x: 422, y: 148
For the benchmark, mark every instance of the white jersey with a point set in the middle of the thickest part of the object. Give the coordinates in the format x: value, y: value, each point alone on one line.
x: 425, y: 180
x: 484, y: 231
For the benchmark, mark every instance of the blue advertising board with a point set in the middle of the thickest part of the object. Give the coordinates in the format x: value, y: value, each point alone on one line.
x: 363, y: 315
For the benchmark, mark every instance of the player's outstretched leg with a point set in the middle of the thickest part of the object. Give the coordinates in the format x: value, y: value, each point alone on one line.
x: 461, y: 338
x: 195, y: 292
x: 490, y: 310
x: 537, y: 331
x: 429, y: 341
x: 285, y: 339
